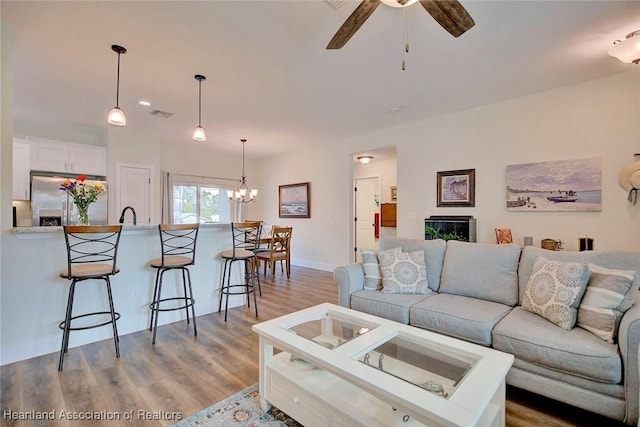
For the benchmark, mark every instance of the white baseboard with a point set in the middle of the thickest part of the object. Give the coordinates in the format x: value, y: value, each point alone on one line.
x: 313, y: 265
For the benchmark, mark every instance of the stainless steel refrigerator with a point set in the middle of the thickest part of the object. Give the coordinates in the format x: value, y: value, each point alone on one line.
x: 51, y: 206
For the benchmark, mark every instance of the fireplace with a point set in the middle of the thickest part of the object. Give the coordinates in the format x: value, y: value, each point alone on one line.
x: 461, y: 228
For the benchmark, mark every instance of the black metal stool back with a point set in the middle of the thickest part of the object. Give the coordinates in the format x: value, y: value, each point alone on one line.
x: 246, y: 240
x: 91, y: 254
x: 178, y: 245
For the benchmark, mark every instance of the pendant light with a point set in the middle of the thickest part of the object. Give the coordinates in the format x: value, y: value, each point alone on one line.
x: 242, y: 193
x: 116, y: 115
x: 198, y: 133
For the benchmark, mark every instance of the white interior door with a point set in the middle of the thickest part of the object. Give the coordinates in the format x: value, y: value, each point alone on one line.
x: 366, y: 206
x: 134, y: 189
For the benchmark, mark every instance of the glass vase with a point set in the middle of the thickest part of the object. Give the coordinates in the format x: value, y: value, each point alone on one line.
x: 83, y: 215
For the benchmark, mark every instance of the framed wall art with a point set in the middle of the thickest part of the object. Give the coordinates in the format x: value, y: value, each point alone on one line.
x: 457, y: 188
x: 503, y: 235
x: 294, y: 201
x: 560, y: 186
x: 394, y: 193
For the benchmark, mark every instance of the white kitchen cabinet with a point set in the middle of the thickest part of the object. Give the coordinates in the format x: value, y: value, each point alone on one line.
x: 88, y: 159
x: 59, y: 156
x: 21, y: 168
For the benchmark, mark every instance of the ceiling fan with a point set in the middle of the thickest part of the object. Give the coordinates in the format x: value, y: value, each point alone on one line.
x: 448, y: 13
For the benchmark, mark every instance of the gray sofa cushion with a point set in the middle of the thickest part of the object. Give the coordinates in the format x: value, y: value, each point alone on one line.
x: 458, y: 316
x: 481, y: 270
x: 534, y: 339
x: 433, y: 254
x: 389, y: 306
x: 620, y: 260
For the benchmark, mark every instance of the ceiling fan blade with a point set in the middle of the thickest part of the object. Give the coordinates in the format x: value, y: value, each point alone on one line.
x: 353, y: 23
x: 450, y: 14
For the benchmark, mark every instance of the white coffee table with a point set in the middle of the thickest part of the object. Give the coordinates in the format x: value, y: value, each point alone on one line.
x: 340, y: 367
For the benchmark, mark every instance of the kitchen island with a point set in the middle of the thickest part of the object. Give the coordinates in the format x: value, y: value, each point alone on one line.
x: 34, y: 296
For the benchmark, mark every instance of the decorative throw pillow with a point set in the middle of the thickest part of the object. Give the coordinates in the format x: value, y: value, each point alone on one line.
x: 403, y: 272
x: 554, y: 290
x: 609, y: 294
x: 371, y: 267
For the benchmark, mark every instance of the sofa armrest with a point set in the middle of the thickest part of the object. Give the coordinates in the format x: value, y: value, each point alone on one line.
x: 629, y: 342
x: 349, y: 278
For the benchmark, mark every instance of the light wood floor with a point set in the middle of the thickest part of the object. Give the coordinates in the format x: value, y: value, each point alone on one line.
x: 184, y: 374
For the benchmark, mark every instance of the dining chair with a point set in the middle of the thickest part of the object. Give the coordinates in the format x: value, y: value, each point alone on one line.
x: 279, y: 250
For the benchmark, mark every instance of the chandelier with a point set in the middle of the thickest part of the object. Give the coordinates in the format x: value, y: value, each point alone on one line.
x: 242, y: 193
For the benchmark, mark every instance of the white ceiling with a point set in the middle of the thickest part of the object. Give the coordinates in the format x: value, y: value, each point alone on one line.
x: 270, y: 79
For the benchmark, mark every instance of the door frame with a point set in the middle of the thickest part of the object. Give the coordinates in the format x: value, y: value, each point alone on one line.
x: 354, y: 209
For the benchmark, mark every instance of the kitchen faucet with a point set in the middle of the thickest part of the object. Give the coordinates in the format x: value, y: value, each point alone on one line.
x: 133, y: 211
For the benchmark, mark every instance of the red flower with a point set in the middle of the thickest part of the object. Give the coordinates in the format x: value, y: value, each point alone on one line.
x: 82, y: 178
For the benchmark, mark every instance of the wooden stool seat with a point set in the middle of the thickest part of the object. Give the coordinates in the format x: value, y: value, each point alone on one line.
x: 89, y: 271
x: 238, y: 254
x: 171, y: 262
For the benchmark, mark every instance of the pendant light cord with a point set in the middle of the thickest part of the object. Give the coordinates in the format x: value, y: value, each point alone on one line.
x: 118, y: 83
x: 199, y: 102
x: 243, y: 141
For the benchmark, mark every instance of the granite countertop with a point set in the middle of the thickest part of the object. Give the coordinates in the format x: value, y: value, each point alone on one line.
x: 142, y: 227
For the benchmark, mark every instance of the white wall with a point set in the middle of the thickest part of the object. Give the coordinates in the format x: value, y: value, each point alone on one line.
x: 598, y: 118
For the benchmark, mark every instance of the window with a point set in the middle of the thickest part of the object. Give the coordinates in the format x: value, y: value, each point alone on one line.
x: 200, y: 203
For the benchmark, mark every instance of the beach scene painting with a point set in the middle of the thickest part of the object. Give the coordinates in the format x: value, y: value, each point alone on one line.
x: 560, y: 186
x: 293, y: 201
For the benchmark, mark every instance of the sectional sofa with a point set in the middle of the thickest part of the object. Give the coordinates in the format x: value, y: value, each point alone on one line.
x: 584, y: 354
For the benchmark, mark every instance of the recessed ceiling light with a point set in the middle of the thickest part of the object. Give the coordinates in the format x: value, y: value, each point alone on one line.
x: 394, y: 109
x: 144, y: 103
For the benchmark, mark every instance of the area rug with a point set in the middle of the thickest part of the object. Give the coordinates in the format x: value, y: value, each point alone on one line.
x: 240, y: 410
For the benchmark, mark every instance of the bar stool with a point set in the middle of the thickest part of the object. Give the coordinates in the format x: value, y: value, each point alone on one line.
x: 91, y: 254
x: 245, y: 239
x: 178, y: 244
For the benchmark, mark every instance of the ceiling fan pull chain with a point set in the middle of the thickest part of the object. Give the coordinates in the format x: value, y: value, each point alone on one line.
x: 405, y: 37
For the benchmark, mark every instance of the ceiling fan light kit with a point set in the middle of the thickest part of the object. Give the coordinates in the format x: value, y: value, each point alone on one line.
x: 399, y: 3
x: 199, y: 133
x: 449, y: 14
x: 116, y: 116
x: 627, y: 50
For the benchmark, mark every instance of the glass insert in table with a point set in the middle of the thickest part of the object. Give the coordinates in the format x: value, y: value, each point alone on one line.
x: 435, y: 370
x: 331, y: 330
